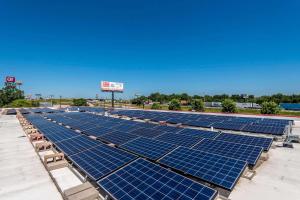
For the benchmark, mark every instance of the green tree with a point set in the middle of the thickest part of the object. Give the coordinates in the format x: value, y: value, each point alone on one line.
x: 198, y: 105
x: 8, y: 95
x: 229, y: 106
x: 139, y: 100
x: 269, y: 107
x: 79, y: 102
x: 174, y: 105
x: 156, y: 106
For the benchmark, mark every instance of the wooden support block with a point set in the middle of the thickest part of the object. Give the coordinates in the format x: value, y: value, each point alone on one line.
x: 84, y: 191
x: 77, y: 188
x: 57, y: 165
x: 53, y: 157
x: 31, y: 131
x: 36, y: 137
x: 43, y: 146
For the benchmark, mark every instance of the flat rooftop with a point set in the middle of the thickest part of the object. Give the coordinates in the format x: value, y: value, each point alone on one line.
x: 23, y: 176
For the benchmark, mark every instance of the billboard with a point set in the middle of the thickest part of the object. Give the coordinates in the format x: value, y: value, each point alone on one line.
x: 10, y: 79
x: 107, y: 86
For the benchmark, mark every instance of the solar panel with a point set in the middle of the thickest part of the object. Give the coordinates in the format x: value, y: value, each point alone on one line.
x: 237, y: 126
x: 258, y: 128
x: 199, y: 133
x: 149, y: 148
x: 219, y: 170
x: 142, y: 180
x: 265, y: 143
x: 202, y: 123
x: 247, y: 153
x: 58, y: 133
x: 101, y: 160
x: 177, y: 139
x: 146, y: 132
x: 97, y: 131
x: 170, y: 129
x: 125, y: 127
x: 118, y: 137
x: 76, y: 144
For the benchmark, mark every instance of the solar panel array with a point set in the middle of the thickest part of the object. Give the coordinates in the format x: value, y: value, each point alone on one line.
x: 218, y: 170
x: 98, y: 160
x: 224, y: 163
x: 255, y: 125
x: 145, y: 180
x: 243, y: 152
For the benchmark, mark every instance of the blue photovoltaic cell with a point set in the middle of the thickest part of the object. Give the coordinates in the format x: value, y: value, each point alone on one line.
x: 219, y: 170
x: 118, y: 137
x: 258, y: 128
x: 101, y: 160
x: 199, y: 133
x: 243, y: 152
x: 265, y: 143
x: 146, y: 132
x: 170, y: 129
x: 178, y: 139
x: 97, y: 131
x: 143, y: 180
x: 149, y: 148
x: 56, y: 133
x: 76, y: 144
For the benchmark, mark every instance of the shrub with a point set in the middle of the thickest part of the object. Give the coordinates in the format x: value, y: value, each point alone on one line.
x: 174, y: 105
x: 79, y: 102
x: 269, y: 107
x: 229, y: 106
x: 23, y: 103
x: 156, y: 106
x: 198, y: 105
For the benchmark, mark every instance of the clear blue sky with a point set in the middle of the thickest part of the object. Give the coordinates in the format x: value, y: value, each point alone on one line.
x: 204, y: 46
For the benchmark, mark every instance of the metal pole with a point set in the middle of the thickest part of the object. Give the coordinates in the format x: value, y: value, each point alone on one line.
x: 60, y: 102
x: 112, y: 99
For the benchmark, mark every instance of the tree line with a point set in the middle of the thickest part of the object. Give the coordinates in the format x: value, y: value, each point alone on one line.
x: 166, y: 98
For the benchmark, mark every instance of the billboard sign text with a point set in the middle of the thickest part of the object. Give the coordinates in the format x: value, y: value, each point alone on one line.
x: 107, y: 86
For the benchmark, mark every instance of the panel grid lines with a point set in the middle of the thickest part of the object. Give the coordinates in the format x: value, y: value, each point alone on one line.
x: 216, y: 169
x: 149, y: 148
x: 247, y: 153
x: 143, y: 180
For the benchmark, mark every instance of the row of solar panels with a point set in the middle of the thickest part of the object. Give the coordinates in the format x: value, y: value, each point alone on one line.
x: 120, y: 174
x: 11, y: 112
x: 107, y: 127
x: 38, y: 110
x: 247, y: 124
x: 85, y: 109
x: 155, y: 148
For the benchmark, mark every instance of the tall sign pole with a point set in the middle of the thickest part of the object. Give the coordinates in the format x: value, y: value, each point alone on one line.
x: 112, y: 99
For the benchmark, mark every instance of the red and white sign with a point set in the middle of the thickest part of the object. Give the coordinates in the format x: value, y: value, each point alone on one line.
x: 107, y: 86
x: 10, y: 79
